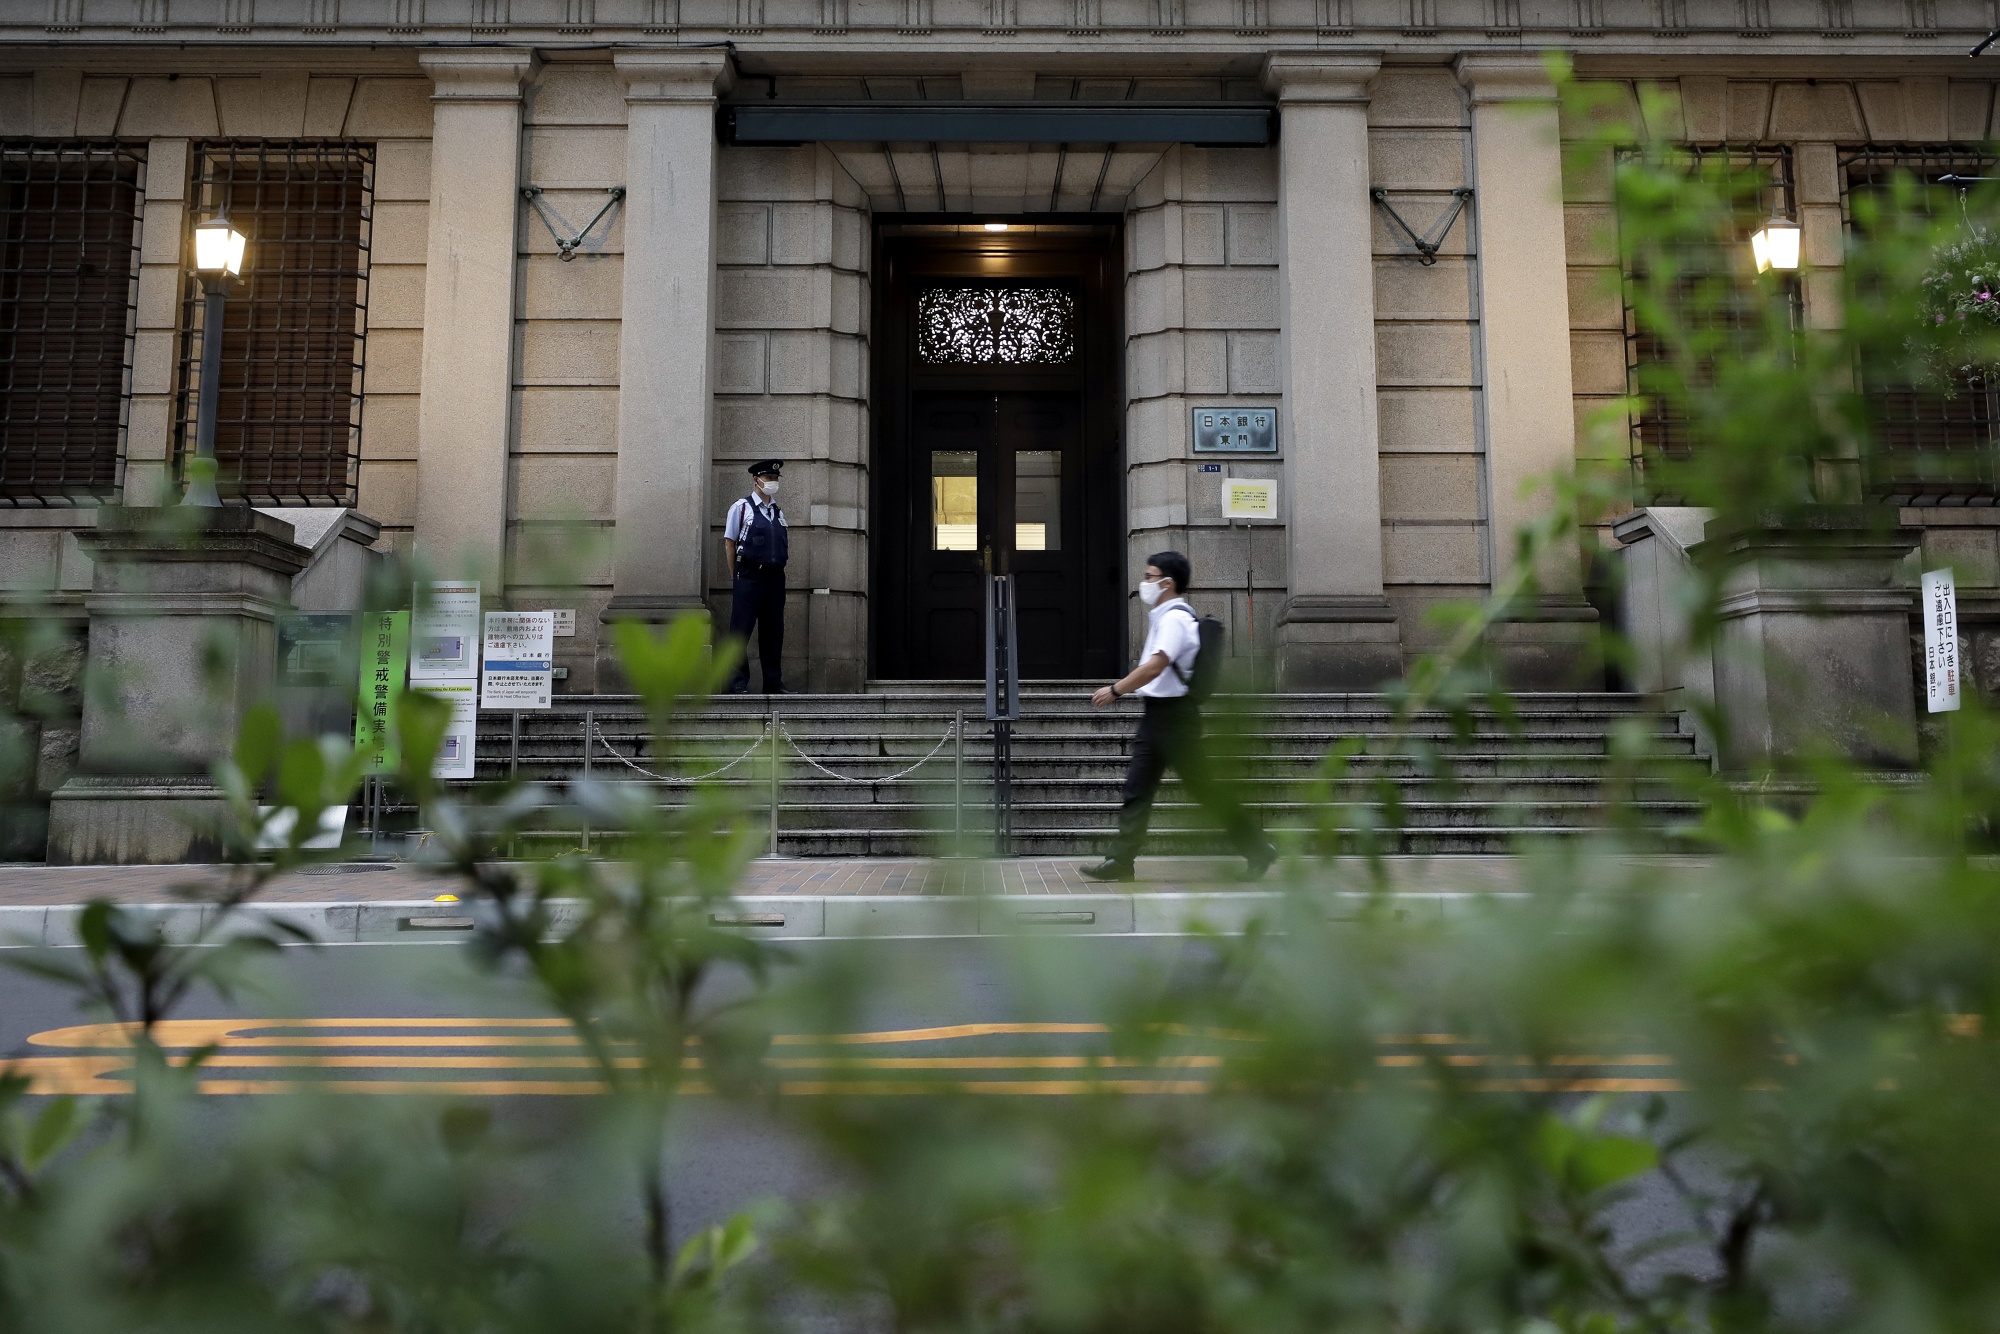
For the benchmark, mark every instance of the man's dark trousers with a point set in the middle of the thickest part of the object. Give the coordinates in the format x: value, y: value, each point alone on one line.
x: 759, y: 600
x: 1170, y: 735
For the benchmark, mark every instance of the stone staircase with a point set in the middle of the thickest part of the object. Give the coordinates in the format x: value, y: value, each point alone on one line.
x: 906, y: 769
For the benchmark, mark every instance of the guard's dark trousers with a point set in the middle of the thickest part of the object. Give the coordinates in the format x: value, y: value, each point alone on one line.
x: 759, y: 601
x: 1170, y: 735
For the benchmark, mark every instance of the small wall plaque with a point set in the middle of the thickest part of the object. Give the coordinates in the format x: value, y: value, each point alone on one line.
x: 1235, y: 430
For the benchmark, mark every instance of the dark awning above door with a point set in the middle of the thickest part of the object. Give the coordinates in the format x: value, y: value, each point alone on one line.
x: 1211, y: 125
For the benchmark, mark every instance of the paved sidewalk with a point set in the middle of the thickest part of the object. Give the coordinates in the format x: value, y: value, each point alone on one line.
x: 838, y: 877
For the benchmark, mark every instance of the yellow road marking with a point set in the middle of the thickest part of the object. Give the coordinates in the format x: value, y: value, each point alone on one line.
x: 301, y: 1046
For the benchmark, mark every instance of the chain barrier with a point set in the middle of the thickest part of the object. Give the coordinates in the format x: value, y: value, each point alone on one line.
x: 950, y: 730
x: 597, y: 734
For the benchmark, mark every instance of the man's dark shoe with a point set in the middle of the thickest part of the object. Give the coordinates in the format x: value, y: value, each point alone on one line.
x: 738, y: 688
x: 1260, y: 862
x: 1108, y: 869
x: 778, y: 690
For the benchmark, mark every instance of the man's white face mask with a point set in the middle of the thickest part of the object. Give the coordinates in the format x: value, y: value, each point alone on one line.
x: 1150, y: 591
x: 768, y: 485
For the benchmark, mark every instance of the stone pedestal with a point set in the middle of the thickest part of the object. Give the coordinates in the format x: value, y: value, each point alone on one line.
x: 1552, y: 645
x: 1329, y: 642
x: 182, y: 608
x: 1812, y: 653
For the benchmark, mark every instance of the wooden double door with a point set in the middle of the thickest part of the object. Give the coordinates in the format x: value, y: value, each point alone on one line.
x: 997, y: 450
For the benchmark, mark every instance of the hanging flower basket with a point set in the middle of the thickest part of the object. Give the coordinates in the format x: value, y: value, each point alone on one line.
x: 1960, y: 305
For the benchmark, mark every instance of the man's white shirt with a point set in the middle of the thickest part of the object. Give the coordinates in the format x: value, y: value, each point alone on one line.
x: 738, y: 521
x: 1170, y: 629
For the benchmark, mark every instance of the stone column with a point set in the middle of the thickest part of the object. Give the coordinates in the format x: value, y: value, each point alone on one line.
x: 1337, y: 631
x: 665, y: 358
x: 183, y: 605
x: 464, y: 416
x: 1530, y: 413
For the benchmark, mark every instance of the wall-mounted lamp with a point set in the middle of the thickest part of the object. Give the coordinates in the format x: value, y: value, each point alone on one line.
x: 1776, y: 244
x: 996, y: 226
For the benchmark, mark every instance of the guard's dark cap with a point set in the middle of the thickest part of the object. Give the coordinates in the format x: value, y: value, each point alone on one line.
x: 773, y: 467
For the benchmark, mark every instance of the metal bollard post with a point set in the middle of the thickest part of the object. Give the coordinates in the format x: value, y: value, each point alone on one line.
x: 771, y: 730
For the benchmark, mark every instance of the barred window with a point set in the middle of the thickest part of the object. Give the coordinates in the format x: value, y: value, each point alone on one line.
x: 69, y: 256
x: 1661, y: 432
x: 1930, y: 447
x: 288, y: 422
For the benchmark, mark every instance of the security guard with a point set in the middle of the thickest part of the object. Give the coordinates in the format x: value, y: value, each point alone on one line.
x: 758, y: 542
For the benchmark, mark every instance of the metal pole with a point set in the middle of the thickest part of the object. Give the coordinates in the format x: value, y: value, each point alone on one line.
x: 957, y: 782
x: 771, y: 731
x: 201, y: 468
x: 589, y: 731
x: 514, y: 748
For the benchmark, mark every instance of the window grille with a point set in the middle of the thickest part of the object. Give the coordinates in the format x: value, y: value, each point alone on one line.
x: 1929, y: 447
x: 996, y: 326
x: 69, y: 269
x: 1661, y: 432
x: 288, y: 423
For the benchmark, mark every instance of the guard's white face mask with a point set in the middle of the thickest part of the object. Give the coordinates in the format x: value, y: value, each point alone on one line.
x: 1150, y: 591
x: 769, y: 488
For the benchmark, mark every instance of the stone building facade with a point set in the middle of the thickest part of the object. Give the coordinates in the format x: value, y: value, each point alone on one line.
x: 569, y: 422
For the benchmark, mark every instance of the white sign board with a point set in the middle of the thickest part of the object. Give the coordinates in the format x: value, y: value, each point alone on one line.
x: 1249, y: 498
x: 565, y: 622
x: 454, y: 757
x: 516, y: 671
x: 1941, y: 681
x: 444, y: 633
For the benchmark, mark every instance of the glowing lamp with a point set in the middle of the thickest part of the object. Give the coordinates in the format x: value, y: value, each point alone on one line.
x: 218, y: 249
x: 1776, y: 244
x: 996, y: 226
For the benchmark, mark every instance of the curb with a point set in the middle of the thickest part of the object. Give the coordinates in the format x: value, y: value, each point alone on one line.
x: 786, y: 917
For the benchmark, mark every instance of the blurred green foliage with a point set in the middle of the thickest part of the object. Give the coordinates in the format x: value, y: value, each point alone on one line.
x: 1751, y: 1090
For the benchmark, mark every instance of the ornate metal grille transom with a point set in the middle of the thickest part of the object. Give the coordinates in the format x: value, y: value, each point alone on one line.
x: 996, y: 326
x: 288, y: 427
x: 69, y: 257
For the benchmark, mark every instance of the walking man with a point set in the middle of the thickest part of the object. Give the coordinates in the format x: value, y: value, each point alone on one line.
x: 758, y: 543
x: 1170, y: 729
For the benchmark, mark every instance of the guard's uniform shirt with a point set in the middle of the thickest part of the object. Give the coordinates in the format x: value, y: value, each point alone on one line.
x: 1171, y: 629
x: 757, y: 587
x: 743, y: 513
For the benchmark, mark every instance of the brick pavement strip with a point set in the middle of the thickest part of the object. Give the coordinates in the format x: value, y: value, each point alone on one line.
x: 830, y: 877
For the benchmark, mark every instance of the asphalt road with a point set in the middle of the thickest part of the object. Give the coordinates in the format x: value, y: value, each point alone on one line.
x: 421, y: 1019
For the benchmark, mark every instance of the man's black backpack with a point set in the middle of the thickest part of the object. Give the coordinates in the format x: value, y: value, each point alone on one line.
x: 1200, y: 681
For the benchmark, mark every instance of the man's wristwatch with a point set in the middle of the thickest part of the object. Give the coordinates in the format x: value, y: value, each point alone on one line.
x: 1113, y: 688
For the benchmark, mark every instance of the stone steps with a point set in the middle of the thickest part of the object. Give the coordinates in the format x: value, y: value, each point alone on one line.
x: 1549, y: 770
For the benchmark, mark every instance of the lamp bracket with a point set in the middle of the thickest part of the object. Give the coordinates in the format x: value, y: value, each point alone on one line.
x: 1427, y: 246
x: 567, y: 244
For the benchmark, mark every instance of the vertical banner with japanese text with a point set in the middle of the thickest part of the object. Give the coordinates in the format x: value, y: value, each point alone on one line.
x: 384, y: 659
x: 1940, y: 607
